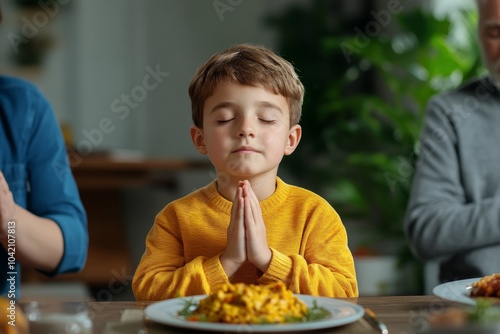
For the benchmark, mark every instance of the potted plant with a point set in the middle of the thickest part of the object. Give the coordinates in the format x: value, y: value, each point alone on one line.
x: 363, y: 111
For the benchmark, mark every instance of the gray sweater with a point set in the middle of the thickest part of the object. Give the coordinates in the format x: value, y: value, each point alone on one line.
x: 453, y: 215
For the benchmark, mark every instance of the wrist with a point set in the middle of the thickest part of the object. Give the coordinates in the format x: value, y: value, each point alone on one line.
x: 230, y: 266
x: 264, y: 261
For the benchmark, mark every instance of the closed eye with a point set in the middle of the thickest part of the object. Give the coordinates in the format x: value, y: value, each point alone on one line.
x: 267, y: 121
x: 224, y: 121
x: 493, y: 32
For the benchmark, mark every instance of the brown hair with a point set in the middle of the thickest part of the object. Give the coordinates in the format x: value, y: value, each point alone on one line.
x: 247, y: 65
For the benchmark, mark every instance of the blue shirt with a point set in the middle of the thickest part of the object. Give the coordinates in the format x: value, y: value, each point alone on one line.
x: 34, y: 161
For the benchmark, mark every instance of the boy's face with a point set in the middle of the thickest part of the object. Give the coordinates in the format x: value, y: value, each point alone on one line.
x: 246, y: 130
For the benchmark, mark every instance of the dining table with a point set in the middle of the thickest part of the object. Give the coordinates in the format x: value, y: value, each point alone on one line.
x: 399, y: 314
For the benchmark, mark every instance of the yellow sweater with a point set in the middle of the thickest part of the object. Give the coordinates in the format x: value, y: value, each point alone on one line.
x: 306, y: 236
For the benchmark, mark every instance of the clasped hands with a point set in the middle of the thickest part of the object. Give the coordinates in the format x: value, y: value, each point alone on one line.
x: 246, y: 233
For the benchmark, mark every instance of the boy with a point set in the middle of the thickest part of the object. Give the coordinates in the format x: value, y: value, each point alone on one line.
x: 247, y: 225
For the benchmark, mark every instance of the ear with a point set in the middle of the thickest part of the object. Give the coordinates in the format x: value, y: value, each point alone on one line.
x: 294, y: 136
x: 198, y: 140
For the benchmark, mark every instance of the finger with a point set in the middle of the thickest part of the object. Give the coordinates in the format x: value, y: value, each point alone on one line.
x: 235, y: 248
x: 247, y: 191
x: 237, y: 209
x: 251, y: 194
x: 234, y: 208
x: 3, y: 183
x: 254, y: 203
x: 241, y: 205
x: 6, y: 206
x: 241, y: 184
x: 4, y: 188
x: 249, y: 219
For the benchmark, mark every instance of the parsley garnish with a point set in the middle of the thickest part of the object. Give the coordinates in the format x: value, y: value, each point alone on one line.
x: 188, y: 308
x: 317, y: 313
x: 484, y: 312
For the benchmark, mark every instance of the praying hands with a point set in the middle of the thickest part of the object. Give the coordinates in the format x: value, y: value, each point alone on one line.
x: 246, y: 234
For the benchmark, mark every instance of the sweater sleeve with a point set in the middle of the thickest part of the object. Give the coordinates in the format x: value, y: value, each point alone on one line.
x: 325, y: 267
x: 159, y: 277
x: 442, y: 219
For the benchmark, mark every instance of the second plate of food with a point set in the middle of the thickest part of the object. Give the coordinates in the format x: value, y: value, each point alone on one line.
x: 457, y: 291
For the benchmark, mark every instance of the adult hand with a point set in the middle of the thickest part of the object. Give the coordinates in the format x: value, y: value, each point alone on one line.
x: 7, y: 209
x: 258, y: 251
x: 7, y: 205
x: 235, y: 253
x: 39, y: 244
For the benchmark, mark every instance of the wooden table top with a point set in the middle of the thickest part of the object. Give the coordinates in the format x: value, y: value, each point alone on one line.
x: 401, y: 314
x: 102, y: 172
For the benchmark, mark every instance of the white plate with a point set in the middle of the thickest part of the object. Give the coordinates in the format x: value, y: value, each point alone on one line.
x: 456, y: 291
x: 342, y: 313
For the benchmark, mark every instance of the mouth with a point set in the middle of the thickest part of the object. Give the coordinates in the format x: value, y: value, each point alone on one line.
x: 245, y: 149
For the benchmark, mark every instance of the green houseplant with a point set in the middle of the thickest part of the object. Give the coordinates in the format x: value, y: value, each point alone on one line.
x: 365, y: 100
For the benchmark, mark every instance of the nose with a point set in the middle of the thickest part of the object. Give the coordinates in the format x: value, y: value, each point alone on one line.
x: 246, y: 129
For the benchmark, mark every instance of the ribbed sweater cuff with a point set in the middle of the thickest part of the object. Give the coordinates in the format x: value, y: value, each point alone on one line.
x: 215, y: 274
x: 280, y: 268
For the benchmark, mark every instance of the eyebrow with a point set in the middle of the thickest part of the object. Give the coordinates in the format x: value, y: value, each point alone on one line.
x: 222, y: 105
x: 265, y: 104
x: 491, y: 23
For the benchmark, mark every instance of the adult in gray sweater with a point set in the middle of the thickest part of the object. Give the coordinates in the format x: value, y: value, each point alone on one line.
x: 453, y: 215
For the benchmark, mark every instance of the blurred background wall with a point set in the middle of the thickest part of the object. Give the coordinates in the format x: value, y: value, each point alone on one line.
x: 100, y: 50
x: 91, y: 58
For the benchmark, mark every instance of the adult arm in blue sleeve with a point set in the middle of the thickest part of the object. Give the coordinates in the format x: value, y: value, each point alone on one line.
x: 53, y: 192
x: 51, y: 223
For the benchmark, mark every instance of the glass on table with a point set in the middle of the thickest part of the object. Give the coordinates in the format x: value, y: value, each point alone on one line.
x: 58, y: 317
